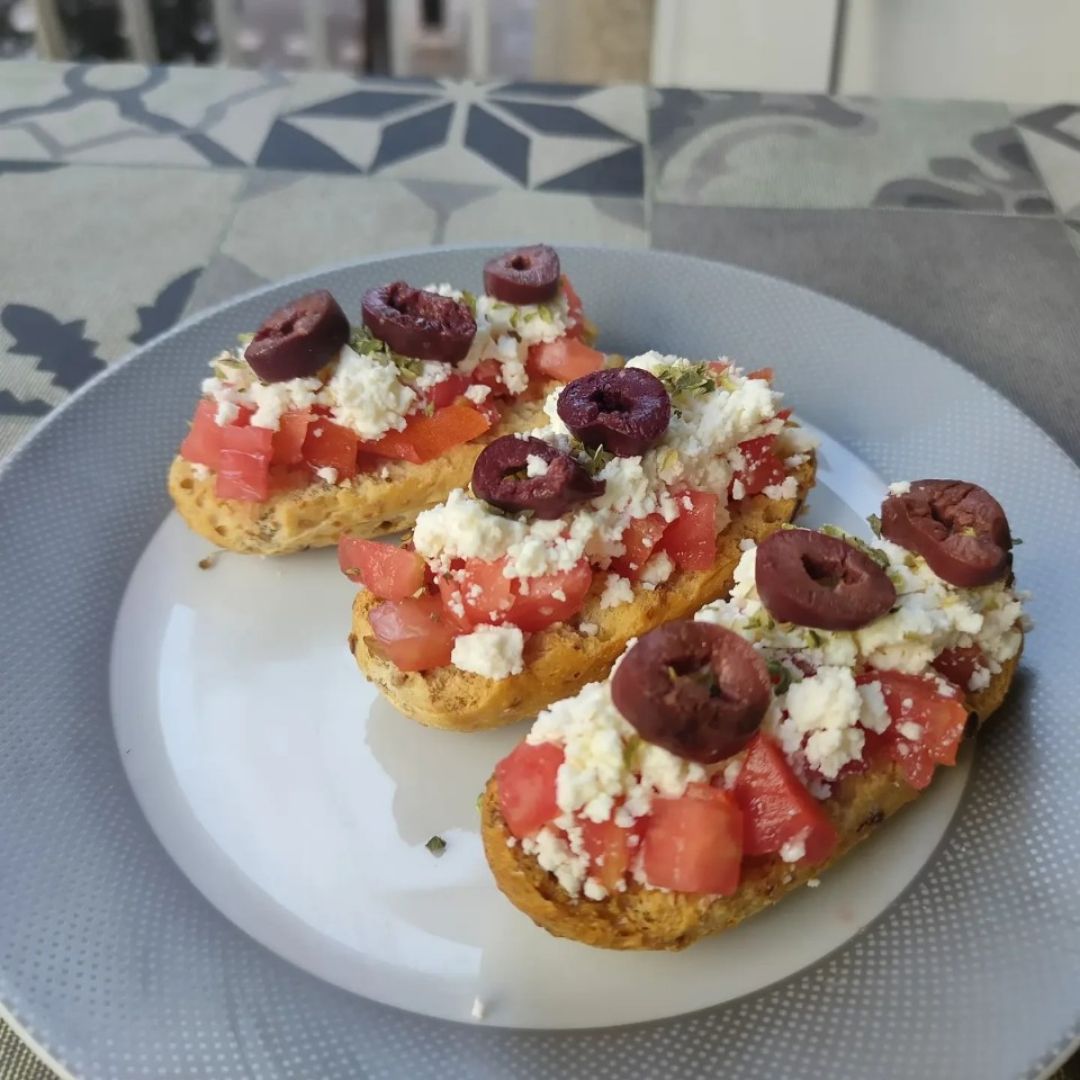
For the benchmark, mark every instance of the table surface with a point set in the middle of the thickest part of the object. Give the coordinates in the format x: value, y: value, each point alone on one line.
x: 131, y: 197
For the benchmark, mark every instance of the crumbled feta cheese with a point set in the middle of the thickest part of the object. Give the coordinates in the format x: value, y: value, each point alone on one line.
x: 200, y: 472
x: 464, y: 528
x: 227, y: 412
x: 365, y: 395
x: 555, y: 855
x: 589, y: 629
x: 327, y: 473
x: 433, y: 373
x: 902, y: 487
x: 731, y: 772
x: 910, y: 730
x: 492, y: 651
x: 824, y: 710
x: 478, y: 393
x: 535, y: 466
x: 873, y: 715
x: 738, y: 490
x: 594, y: 890
x: 617, y: 591
x: 795, y: 849
x: 788, y: 489
x: 658, y: 569
x: 813, y: 883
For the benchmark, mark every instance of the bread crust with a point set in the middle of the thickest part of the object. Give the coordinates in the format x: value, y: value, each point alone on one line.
x: 642, y: 918
x: 561, y: 660
x: 371, y: 504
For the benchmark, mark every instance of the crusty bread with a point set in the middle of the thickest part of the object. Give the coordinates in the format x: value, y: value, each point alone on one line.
x: 372, y: 504
x: 561, y: 660
x: 642, y: 918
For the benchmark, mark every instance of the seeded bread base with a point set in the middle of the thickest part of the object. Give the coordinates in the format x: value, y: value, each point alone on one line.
x: 559, y: 661
x: 319, y: 515
x: 643, y: 918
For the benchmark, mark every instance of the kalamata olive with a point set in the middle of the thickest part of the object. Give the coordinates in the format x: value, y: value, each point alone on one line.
x: 811, y: 579
x: 419, y: 324
x: 500, y: 477
x: 527, y: 275
x: 624, y: 411
x: 694, y: 688
x: 298, y: 339
x: 959, y: 528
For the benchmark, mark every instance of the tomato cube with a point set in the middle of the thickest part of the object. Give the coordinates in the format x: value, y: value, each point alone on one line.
x: 330, y: 446
x: 390, y: 572
x: 427, y: 437
x: 566, y: 359
x: 525, y: 780
x: 777, y: 808
x: 641, y: 539
x: 690, y: 539
x: 202, y: 445
x: 412, y: 633
x: 762, y: 465
x: 693, y: 844
x: 289, y: 439
x: 244, y: 464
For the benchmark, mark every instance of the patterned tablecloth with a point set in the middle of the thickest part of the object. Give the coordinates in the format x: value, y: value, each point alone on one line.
x: 131, y: 197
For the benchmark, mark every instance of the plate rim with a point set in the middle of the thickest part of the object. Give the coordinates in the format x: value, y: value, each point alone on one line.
x: 43, y: 427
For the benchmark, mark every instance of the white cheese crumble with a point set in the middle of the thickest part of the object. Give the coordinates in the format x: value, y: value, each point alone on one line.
x: 492, y: 651
x: 910, y: 730
x: 617, y: 591
x: 200, y: 472
x: 535, y: 466
x: 589, y: 629
x: 902, y: 487
x: 658, y: 569
x: 795, y: 849
x: 327, y: 473
x: 366, y: 395
x: 787, y: 489
x: 478, y: 393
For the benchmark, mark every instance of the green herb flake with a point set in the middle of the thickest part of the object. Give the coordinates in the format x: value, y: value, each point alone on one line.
x: 244, y: 339
x: 684, y: 381
x: 436, y: 845
x: 630, y: 750
x: 870, y: 552
x: 469, y: 300
x: 780, y: 676
x: 875, y: 525
x: 1016, y: 541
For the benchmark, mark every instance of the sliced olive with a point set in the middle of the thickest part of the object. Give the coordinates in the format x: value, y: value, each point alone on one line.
x: 959, y: 528
x: 694, y: 688
x: 298, y: 339
x: 811, y: 579
x: 501, y: 477
x: 418, y: 324
x: 527, y: 275
x: 625, y: 411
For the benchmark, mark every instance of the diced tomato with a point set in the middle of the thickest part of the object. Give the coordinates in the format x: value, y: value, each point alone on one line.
x: 486, y: 592
x: 289, y: 438
x: 202, y: 444
x: 413, y: 633
x: 551, y: 598
x: 575, y: 309
x: 525, y: 780
x: 959, y: 664
x: 640, y: 538
x: 489, y: 373
x: 490, y: 412
x: 330, y: 446
x: 777, y: 808
x: 762, y: 467
x: 784, y: 414
x: 390, y: 572
x: 453, y: 604
x: 694, y: 844
x: 691, y: 538
x: 765, y: 373
x: 426, y: 437
x: 448, y: 391
x: 941, y: 719
x: 608, y: 848
x: 289, y: 477
x: 565, y: 359
x: 244, y: 464
x: 719, y: 367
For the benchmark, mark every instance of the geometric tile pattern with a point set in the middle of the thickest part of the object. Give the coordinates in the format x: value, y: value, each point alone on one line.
x: 804, y: 150
x: 524, y: 135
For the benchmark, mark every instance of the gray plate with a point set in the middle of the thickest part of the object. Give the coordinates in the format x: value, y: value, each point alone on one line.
x: 114, y: 963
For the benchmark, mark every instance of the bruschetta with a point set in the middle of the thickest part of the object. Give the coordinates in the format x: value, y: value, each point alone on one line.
x: 313, y: 428
x: 628, y: 509
x: 734, y: 757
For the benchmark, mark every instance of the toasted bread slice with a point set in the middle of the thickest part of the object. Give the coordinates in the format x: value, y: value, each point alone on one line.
x: 561, y: 660
x: 643, y: 918
x: 371, y: 504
